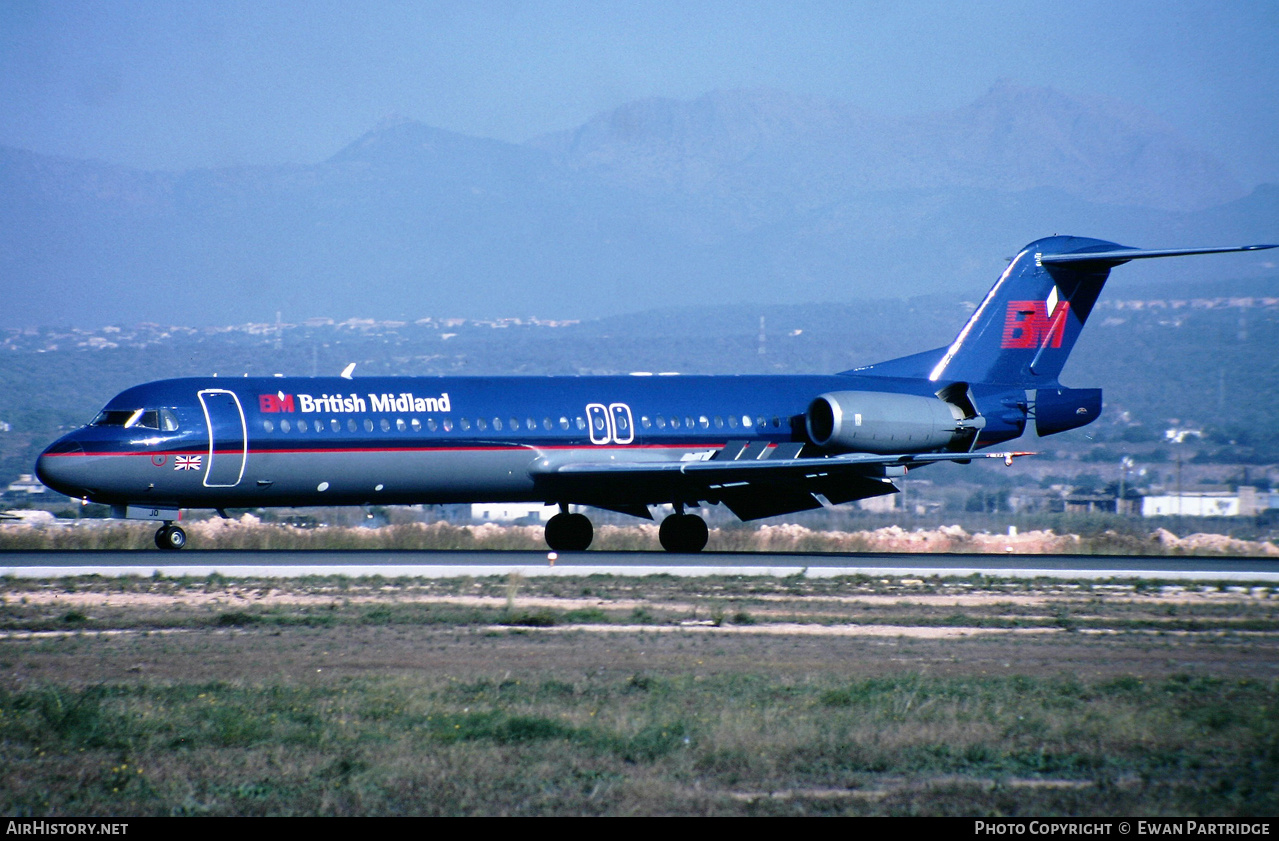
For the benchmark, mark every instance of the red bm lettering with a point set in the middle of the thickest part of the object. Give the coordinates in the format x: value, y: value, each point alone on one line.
x: 1028, y: 324
x: 276, y: 403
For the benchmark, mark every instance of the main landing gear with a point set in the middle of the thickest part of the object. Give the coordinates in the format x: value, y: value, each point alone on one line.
x: 567, y: 532
x: 679, y: 532
x: 683, y: 533
x: 171, y: 537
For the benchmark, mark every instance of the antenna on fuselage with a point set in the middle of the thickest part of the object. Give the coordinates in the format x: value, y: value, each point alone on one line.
x: 346, y: 372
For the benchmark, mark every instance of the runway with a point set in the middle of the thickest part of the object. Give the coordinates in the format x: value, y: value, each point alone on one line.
x: 449, y: 564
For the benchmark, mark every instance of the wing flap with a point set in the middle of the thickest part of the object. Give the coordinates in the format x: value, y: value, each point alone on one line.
x: 754, y: 503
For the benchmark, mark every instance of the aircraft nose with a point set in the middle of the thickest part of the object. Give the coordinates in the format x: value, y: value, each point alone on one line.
x: 59, y: 467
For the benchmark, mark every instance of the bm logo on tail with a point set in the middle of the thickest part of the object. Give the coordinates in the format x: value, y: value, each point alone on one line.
x: 1030, y: 324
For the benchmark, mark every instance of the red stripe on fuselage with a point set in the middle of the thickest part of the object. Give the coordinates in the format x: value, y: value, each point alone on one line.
x: 701, y: 445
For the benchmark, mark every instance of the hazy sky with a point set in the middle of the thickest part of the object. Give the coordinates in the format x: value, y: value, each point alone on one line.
x: 171, y: 84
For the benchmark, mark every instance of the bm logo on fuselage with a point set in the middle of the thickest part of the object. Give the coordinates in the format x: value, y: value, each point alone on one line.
x: 1029, y: 324
x: 276, y: 402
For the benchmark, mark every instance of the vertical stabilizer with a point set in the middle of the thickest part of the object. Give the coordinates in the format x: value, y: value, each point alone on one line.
x: 1026, y: 326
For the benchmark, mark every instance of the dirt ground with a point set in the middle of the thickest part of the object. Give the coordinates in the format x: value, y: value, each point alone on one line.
x: 169, y: 636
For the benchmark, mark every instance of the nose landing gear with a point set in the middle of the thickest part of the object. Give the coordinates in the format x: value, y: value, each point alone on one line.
x: 170, y: 537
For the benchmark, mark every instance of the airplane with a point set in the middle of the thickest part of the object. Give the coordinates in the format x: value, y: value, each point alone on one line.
x: 760, y: 445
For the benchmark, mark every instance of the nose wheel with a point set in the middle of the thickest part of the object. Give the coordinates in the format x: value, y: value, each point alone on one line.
x: 683, y: 533
x: 170, y: 537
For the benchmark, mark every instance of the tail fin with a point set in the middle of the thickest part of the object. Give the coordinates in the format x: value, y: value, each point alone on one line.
x: 1025, y: 328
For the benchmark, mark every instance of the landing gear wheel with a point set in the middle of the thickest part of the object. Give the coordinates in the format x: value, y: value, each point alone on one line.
x: 170, y: 537
x: 569, y: 532
x: 683, y: 533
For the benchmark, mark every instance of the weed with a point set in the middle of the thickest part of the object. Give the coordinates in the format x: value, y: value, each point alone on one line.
x: 530, y: 618
x: 236, y: 619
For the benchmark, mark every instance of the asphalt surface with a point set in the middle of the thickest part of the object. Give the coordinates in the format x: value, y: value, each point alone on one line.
x: 281, y: 564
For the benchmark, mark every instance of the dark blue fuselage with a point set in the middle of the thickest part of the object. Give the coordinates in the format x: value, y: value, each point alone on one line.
x: 254, y: 442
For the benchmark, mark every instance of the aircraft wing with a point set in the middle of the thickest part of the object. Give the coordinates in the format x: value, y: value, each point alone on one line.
x: 750, y: 485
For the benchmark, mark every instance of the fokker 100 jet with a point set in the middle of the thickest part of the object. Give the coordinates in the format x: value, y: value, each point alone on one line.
x: 759, y: 445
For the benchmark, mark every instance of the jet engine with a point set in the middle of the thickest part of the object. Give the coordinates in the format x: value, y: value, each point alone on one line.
x: 882, y: 422
x: 1060, y: 409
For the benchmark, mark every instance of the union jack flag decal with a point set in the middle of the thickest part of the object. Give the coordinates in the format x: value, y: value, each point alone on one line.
x: 187, y: 462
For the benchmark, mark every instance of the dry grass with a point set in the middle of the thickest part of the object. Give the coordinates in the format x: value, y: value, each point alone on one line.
x: 248, y: 533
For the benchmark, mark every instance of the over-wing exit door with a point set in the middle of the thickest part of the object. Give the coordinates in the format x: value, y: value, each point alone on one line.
x: 611, y: 424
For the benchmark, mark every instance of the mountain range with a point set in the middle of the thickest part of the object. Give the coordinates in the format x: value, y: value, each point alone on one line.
x: 756, y: 197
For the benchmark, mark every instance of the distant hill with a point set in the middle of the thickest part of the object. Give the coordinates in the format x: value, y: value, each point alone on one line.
x: 740, y: 196
x: 764, y: 148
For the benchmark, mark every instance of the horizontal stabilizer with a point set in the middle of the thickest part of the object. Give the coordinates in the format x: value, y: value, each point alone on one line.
x: 1115, y: 258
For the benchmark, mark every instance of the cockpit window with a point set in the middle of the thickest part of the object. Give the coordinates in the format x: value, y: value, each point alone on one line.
x: 161, y: 419
x: 115, y: 417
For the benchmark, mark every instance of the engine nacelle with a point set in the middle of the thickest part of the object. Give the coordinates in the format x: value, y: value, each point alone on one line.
x: 882, y: 422
x: 1060, y: 409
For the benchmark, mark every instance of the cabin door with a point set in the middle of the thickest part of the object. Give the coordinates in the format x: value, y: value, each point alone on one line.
x: 228, y: 438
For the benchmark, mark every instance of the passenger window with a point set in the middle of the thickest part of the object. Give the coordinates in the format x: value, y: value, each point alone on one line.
x: 661, y: 422
x: 319, y: 425
x: 674, y: 422
x: 368, y: 424
x: 430, y: 424
x: 546, y: 424
x: 732, y: 421
x: 719, y: 422
x: 481, y: 424
x: 704, y: 422
x: 464, y: 424
x: 385, y: 424
x: 335, y: 425
x: 645, y: 422
x: 350, y: 425
x: 416, y: 425
x: 530, y: 424
x: 448, y: 424
x: 563, y: 422
x: 579, y: 423
x: 515, y: 424
x: 746, y: 421
x: 301, y: 426
x: 400, y: 425
x: 497, y: 424
x: 688, y: 421
x: 268, y: 426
